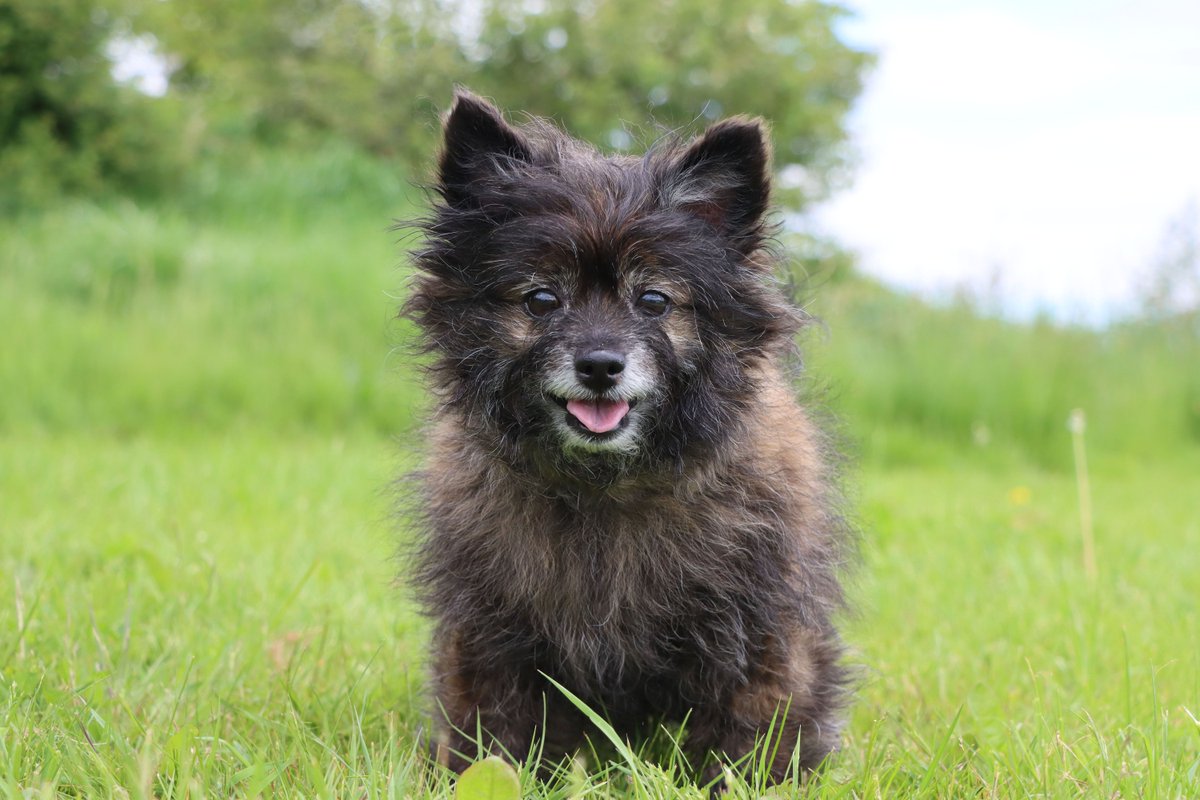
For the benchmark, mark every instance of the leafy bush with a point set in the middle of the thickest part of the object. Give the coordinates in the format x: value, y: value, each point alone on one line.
x: 65, y: 125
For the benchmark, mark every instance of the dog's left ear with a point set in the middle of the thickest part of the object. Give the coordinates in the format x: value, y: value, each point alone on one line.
x: 724, y: 177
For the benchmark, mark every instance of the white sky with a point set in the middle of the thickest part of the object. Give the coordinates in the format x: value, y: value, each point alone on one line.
x: 136, y: 60
x: 1052, y: 142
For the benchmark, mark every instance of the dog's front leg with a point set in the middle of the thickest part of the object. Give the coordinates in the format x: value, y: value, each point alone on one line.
x: 480, y: 708
x: 786, y: 715
x: 497, y: 706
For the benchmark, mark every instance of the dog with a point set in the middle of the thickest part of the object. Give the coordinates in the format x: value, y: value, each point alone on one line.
x: 622, y: 496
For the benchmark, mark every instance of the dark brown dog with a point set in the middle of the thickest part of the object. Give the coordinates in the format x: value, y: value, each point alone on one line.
x: 622, y: 493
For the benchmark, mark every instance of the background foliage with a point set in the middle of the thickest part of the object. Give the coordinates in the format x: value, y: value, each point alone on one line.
x: 374, y: 74
x: 65, y: 125
x: 295, y: 127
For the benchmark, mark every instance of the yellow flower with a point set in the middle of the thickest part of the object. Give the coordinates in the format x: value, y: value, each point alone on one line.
x: 1019, y: 495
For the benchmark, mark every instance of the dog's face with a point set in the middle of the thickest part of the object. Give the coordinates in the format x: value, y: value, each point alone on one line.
x: 584, y: 307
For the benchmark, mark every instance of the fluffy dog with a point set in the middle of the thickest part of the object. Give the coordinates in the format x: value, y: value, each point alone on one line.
x: 622, y: 493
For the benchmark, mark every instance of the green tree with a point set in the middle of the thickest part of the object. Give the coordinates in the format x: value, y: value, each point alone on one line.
x: 284, y: 70
x: 676, y: 62
x: 376, y: 71
x: 65, y: 124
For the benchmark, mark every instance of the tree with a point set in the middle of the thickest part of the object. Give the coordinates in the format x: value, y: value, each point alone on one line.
x: 65, y: 124
x: 285, y: 69
x: 672, y: 63
x: 1172, y: 287
x: 377, y: 71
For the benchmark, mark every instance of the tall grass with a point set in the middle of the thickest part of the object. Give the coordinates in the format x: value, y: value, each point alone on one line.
x: 905, y: 373
x: 263, y: 296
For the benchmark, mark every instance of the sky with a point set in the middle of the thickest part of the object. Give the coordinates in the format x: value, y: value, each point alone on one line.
x: 1040, y: 148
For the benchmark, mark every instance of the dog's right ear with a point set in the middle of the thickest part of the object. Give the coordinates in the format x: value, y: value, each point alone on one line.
x: 479, y: 144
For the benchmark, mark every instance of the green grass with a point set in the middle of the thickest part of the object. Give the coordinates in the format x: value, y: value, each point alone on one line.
x: 203, y: 404
x: 208, y: 313
x: 216, y: 616
x: 265, y: 297
x: 903, y: 372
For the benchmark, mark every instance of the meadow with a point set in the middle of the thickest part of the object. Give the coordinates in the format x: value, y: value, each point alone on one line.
x: 205, y: 401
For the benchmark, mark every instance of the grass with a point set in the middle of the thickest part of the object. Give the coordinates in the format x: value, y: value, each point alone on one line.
x: 215, y: 616
x: 907, y: 373
x: 206, y: 313
x: 202, y: 406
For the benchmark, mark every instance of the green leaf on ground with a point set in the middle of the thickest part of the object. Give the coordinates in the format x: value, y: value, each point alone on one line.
x: 489, y: 779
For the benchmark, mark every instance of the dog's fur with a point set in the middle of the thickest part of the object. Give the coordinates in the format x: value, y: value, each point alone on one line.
x: 684, y: 565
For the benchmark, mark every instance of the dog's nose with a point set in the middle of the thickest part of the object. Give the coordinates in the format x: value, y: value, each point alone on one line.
x: 599, y: 370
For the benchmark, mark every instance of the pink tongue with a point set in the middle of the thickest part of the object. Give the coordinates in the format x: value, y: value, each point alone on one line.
x: 598, y: 416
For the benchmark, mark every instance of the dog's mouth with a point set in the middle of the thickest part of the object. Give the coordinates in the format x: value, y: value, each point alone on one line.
x: 597, y: 417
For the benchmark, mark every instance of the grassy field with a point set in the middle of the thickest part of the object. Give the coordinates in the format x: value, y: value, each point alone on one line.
x: 203, y: 405
x: 215, y: 616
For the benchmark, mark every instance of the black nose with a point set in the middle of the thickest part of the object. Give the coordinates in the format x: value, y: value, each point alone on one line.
x: 599, y: 370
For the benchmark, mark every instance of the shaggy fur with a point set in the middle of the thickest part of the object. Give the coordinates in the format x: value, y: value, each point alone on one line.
x: 684, y: 565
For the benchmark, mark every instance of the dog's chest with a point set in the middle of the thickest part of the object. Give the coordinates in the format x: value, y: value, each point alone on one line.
x: 619, y: 593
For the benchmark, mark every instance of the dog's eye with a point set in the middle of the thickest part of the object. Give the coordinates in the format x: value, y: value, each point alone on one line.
x: 655, y: 303
x: 541, y: 302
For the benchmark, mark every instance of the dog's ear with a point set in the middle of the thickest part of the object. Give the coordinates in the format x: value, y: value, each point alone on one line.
x: 723, y: 177
x: 478, y: 144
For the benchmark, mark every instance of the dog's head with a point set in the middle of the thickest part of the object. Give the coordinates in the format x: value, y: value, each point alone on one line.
x: 591, y: 308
